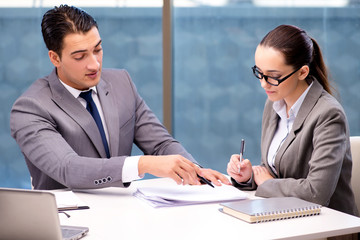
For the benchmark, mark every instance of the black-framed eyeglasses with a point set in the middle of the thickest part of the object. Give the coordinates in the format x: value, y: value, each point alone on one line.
x: 271, y: 80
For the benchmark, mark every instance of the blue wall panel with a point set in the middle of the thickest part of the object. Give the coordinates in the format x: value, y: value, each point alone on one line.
x: 217, y: 101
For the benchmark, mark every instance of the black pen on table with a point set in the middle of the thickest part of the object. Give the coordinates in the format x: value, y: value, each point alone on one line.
x: 242, y: 149
x: 204, y: 180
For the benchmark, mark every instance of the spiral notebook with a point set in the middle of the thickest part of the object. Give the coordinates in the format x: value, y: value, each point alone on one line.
x: 270, y: 209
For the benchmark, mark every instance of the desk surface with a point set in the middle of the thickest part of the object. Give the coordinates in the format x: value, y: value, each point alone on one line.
x: 115, y: 214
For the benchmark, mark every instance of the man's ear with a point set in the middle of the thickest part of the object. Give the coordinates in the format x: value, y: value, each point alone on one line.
x: 54, y: 58
x: 304, y: 72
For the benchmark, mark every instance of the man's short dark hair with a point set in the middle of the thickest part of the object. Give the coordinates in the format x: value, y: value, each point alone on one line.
x: 63, y: 20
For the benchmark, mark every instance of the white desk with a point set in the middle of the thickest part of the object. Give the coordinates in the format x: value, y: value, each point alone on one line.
x: 115, y: 214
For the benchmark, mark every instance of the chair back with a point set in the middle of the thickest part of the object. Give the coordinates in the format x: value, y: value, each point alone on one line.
x: 355, y: 178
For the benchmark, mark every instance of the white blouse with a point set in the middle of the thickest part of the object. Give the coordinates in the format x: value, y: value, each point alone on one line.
x: 284, y: 126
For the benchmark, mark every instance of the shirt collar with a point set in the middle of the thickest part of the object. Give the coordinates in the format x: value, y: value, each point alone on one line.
x: 75, y: 92
x: 280, y: 106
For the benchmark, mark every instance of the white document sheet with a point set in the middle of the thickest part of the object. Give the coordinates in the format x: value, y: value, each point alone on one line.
x: 179, y: 195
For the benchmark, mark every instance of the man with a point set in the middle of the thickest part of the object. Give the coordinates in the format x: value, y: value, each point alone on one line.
x: 76, y: 138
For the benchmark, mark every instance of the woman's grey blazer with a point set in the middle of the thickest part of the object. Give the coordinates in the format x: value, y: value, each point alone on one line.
x: 314, y: 163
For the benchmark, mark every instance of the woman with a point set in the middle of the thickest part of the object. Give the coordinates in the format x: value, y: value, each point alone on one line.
x: 305, y: 147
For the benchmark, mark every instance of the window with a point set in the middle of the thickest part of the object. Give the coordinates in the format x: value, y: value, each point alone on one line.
x: 217, y: 100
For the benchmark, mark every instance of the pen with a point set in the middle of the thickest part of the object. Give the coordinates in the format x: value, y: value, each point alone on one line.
x: 73, y: 208
x: 204, y: 180
x: 242, y: 149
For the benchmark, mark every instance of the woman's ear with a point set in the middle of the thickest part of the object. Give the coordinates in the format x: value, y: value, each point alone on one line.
x: 54, y: 58
x: 304, y: 72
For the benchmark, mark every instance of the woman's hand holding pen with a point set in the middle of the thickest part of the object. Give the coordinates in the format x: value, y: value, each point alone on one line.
x: 233, y: 168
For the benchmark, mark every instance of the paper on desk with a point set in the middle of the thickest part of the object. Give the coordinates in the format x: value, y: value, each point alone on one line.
x: 68, y: 200
x: 179, y: 195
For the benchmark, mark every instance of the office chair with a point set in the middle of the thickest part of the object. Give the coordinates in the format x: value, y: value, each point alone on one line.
x: 355, y: 178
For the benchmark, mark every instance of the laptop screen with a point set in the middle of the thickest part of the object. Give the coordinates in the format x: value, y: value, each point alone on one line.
x: 31, y: 214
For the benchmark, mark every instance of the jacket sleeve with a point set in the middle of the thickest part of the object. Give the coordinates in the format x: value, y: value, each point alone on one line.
x: 150, y: 135
x: 311, y: 166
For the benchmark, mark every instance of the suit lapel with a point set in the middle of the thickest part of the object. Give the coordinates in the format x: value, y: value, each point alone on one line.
x: 308, y: 104
x: 271, y: 128
x: 111, y: 115
x: 71, y: 106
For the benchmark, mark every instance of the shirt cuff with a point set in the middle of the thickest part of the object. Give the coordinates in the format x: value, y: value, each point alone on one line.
x: 130, y: 171
x: 246, y: 183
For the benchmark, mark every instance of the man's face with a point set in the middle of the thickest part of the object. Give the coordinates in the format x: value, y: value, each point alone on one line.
x: 81, y: 59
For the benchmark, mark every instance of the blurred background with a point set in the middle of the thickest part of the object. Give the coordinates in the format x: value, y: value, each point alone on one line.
x: 215, y: 99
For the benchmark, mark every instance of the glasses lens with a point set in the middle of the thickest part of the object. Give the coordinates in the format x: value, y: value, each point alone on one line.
x: 272, y: 81
x: 260, y: 75
x: 257, y: 73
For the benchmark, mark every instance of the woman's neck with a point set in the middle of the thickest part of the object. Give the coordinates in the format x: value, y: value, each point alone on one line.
x: 291, y: 100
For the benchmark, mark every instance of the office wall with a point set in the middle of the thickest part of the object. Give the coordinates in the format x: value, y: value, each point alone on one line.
x: 217, y: 101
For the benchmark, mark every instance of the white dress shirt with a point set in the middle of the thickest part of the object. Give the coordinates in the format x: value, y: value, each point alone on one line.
x: 284, y: 127
x: 130, y: 171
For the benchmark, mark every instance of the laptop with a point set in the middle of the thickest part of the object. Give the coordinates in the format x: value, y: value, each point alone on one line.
x: 32, y: 214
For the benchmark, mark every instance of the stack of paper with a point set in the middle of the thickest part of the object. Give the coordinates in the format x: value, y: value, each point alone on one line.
x: 179, y: 195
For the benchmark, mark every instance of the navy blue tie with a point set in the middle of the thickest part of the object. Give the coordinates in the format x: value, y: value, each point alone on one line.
x: 91, y: 107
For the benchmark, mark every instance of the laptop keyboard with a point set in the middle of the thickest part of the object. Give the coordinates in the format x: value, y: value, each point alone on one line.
x: 66, y: 233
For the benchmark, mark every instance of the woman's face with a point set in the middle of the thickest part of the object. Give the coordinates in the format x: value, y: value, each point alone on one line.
x: 271, y: 62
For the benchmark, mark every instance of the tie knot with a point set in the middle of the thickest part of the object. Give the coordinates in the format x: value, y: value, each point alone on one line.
x: 86, y: 95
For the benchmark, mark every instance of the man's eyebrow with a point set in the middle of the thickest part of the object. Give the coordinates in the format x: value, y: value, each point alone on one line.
x: 80, y: 51
x: 98, y: 43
